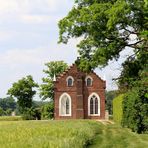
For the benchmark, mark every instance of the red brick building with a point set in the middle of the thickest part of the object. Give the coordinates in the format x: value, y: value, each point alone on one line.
x: 78, y: 95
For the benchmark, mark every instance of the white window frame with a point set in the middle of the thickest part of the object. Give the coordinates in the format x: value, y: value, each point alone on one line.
x: 89, y: 78
x: 89, y: 98
x: 60, y: 107
x: 70, y: 77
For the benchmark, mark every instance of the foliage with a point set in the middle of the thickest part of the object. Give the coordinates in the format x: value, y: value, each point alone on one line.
x: 31, y: 114
x: 52, y: 134
x: 118, y: 108
x: 106, y: 28
x: 110, y: 95
x: 7, y: 103
x: 1, y: 111
x: 135, y: 105
x: 131, y: 69
x: 47, y: 110
x: 23, y: 91
x: 53, y: 68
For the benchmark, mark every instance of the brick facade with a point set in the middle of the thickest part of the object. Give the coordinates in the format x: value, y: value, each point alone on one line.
x: 79, y: 94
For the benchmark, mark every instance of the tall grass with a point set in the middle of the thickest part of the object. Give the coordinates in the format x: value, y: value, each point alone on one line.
x: 47, y: 134
x: 10, y: 118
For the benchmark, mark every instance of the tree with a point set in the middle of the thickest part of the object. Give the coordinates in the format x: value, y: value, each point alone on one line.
x: 135, y: 105
x: 110, y: 95
x: 1, y: 111
x: 53, y: 68
x: 24, y: 91
x: 8, y: 103
x: 106, y: 27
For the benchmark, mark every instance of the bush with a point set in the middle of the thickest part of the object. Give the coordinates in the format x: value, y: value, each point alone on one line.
x: 47, y: 111
x: 135, y: 110
x: 135, y: 105
x: 117, y: 109
x: 31, y: 114
x: 1, y: 111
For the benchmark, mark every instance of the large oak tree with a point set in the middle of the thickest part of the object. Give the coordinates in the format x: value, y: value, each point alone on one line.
x: 106, y: 27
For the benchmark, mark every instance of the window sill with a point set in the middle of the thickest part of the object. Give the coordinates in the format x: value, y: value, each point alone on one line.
x: 65, y: 115
x: 94, y: 115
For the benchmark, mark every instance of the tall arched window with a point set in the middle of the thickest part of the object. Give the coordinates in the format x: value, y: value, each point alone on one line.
x: 93, y: 104
x: 65, y: 105
x: 88, y: 81
x: 70, y: 81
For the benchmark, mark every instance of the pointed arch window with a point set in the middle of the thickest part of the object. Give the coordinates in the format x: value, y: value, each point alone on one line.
x: 88, y: 81
x: 93, y: 104
x: 65, y: 105
x: 70, y: 81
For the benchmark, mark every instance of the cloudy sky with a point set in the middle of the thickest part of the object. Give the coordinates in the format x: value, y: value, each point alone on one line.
x: 28, y: 39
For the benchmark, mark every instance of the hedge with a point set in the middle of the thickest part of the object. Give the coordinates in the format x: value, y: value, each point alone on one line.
x: 118, y: 109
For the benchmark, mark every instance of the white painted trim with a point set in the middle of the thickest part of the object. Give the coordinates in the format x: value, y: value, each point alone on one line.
x: 97, y: 96
x: 68, y: 78
x: 86, y: 80
x: 60, y: 99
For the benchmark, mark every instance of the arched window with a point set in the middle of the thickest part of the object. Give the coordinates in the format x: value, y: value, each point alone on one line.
x: 70, y: 81
x: 88, y: 81
x: 65, y: 105
x: 93, y: 104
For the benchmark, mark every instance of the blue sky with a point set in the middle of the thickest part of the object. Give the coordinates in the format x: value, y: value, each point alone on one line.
x: 28, y: 39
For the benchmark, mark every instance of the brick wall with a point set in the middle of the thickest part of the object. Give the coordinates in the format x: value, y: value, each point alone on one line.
x: 79, y: 93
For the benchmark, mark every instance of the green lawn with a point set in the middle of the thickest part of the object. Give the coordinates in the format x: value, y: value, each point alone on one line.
x: 67, y: 134
x: 114, y: 136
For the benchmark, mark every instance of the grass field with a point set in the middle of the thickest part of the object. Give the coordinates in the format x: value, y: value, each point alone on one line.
x: 67, y: 134
x: 10, y: 118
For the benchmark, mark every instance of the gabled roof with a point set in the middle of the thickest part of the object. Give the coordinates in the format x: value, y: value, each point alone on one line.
x: 71, y: 67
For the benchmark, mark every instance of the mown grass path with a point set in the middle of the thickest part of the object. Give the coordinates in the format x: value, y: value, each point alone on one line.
x: 113, y: 136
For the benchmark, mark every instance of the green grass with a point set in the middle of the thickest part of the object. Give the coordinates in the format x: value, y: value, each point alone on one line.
x: 10, y: 118
x: 67, y: 134
x: 47, y: 134
x: 114, y: 136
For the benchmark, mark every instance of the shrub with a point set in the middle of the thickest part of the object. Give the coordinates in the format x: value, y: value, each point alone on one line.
x: 135, y: 110
x: 135, y: 105
x: 47, y: 111
x: 117, y: 109
x: 1, y: 111
x: 31, y: 114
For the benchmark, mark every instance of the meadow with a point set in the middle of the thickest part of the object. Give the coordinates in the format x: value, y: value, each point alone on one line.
x: 67, y: 134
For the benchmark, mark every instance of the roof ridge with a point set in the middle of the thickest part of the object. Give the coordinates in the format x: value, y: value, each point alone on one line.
x: 98, y: 76
x: 64, y: 72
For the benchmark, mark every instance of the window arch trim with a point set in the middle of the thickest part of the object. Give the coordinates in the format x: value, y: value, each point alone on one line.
x: 70, y: 77
x: 60, y: 104
x: 88, y: 77
x: 89, y: 99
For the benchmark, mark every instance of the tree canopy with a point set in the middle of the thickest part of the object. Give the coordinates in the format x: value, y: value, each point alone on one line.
x: 106, y: 27
x: 24, y: 91
x: 54, y: 68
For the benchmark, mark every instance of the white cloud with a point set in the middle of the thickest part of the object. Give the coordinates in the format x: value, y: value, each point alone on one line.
x: 27, y: 6
x: 7, y: 35
x: 8, y: 6
x: 39, y: 19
